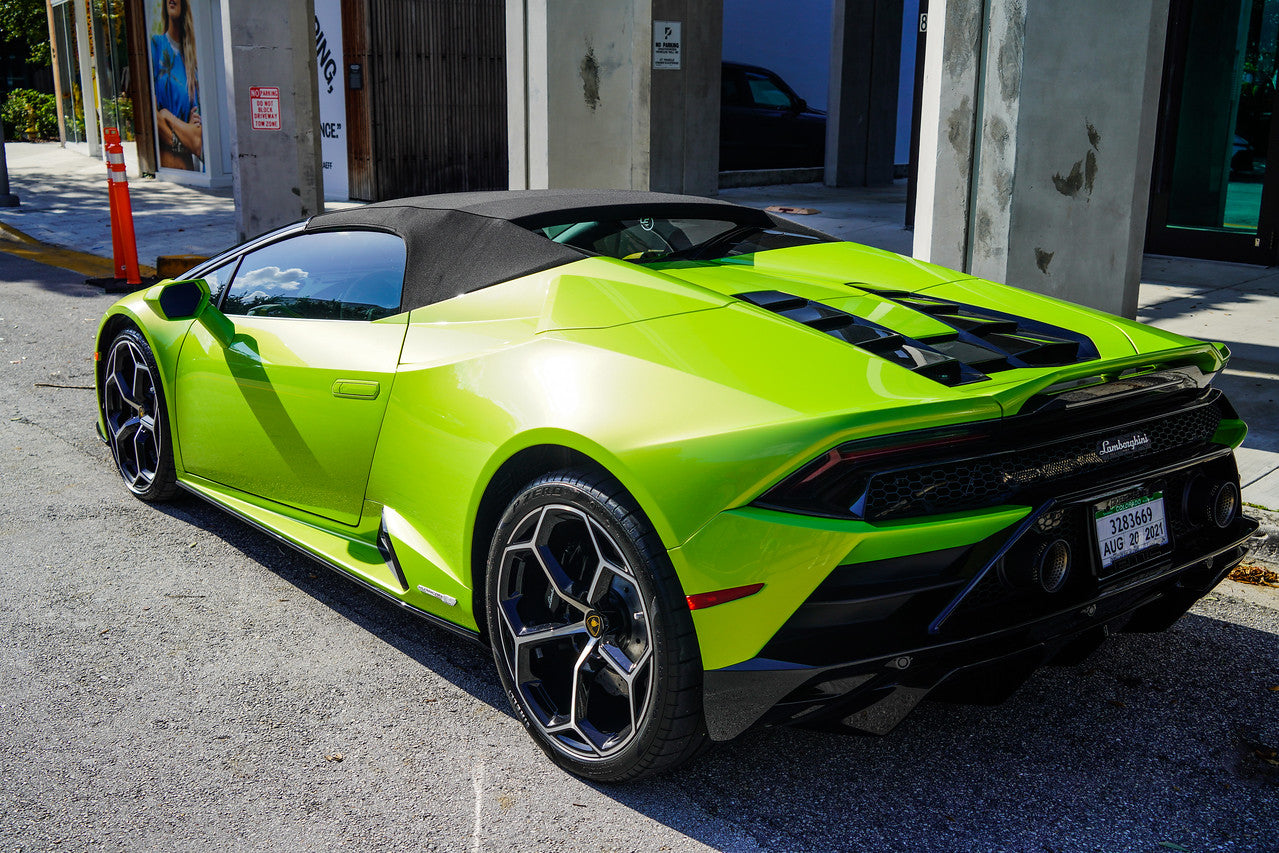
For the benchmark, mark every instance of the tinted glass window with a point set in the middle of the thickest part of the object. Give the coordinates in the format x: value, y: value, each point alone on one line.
x: 657, y: 240
x: 217, y: 279
x: 638, y: 240
x: 766, y: 93
x: 336, y: 275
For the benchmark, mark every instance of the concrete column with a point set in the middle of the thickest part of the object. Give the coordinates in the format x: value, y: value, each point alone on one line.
x: 276, y: 173
x: 865, y: 66
x: 1038, y: 133
x: 586, y: 107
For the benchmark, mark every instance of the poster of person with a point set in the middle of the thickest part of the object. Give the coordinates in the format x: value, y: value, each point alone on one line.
x: 175, y: 75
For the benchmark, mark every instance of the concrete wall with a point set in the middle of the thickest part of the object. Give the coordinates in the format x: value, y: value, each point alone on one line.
x: 683, y: 126
x: 1039, y: 126
x: 277, y: 174
x: 580, y: 85
x: 865, y: 73
x: 948, y: 111
x: 587, y: 109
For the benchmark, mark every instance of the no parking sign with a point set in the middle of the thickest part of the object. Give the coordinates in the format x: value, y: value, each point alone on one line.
x: 264, y: 105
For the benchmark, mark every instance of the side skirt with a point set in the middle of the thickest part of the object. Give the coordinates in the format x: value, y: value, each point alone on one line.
x: 456, y: 630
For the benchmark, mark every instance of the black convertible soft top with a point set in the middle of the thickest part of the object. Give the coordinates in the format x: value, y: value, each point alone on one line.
x: 460, y: 242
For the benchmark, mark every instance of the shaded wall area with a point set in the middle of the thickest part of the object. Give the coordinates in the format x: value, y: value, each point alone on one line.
x: 436, y: 75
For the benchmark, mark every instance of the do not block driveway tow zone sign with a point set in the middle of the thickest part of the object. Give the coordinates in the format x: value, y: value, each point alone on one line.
x: 264, y: 105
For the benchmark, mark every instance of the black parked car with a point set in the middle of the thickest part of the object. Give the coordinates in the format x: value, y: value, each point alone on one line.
x: 763, y: 124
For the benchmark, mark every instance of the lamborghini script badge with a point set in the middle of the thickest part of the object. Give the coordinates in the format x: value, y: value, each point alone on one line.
x: 1123, y: 445
x: 594, y: 624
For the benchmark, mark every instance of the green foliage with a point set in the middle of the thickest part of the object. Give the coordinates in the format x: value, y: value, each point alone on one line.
x: 17, y: 111
x: 119, y: 112
x: 26, y: 22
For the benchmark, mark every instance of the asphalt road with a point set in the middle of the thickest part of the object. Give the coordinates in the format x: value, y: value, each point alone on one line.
x: 171, y: 679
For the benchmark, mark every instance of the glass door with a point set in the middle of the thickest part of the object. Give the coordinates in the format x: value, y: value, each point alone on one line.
x: 111, y: 46
x: 1212, y: 194
x: 64, y: 31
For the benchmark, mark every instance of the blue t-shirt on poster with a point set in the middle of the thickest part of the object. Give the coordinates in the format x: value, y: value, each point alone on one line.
x: 171, y: 79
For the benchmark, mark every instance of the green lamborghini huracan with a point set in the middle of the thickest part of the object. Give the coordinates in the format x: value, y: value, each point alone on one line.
x: 686, y: 467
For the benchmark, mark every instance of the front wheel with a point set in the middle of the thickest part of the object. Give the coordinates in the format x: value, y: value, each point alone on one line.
x: 591, y: 632
x: 136, y: 418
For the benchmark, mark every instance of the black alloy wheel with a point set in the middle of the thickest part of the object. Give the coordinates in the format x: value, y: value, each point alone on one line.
x: 136, y: 419
x: 592, y: 636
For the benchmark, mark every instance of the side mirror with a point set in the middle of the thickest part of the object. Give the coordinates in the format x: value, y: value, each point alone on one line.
x: 179, y: 300
x: 188, y: 300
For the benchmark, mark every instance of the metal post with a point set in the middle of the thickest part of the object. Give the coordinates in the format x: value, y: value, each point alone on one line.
x: 7, y: 199
x: 55, y: 61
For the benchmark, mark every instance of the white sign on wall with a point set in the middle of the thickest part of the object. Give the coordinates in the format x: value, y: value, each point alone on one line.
x: 666, y: 45
x: 264, y: 104
x: 329, y: 64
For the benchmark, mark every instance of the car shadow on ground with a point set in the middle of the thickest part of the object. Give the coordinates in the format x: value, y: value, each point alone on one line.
x: 1156, y: 739
x: 466, y: 664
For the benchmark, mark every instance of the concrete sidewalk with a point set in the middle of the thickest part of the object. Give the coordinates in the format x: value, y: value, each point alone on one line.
x: 64, y: 203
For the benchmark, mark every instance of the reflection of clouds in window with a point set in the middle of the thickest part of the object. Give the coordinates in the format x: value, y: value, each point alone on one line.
x: 273, y: 278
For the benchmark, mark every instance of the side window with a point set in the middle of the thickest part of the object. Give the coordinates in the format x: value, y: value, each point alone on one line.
x: 217, y: 279
x: 328, y: 275
x: 767, y: 93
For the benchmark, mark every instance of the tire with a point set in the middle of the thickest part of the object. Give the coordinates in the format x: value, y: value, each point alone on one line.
x: 591, y: 632
x: 137, y: 421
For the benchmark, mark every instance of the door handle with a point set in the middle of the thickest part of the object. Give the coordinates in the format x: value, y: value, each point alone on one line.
x: 356, y: 389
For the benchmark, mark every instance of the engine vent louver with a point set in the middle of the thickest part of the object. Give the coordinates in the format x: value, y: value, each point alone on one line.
x: 981, y: 341
x: 1022, y: 342
x: 907, y: 352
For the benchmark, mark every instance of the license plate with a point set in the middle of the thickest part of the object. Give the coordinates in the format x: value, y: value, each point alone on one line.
x: 1129, y: 527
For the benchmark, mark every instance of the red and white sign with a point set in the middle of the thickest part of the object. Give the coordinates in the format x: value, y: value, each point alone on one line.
x: 264, y: 105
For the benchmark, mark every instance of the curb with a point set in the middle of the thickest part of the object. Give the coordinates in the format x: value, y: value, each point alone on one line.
x: 1265, y: 544
x: 16, y: 242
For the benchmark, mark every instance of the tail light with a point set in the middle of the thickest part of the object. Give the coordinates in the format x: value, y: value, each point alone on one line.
x: 834, y: 485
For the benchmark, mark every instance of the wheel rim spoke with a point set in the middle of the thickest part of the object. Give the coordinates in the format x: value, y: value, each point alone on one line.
x: 116, y: 381
x: 144, y: 449
x: 599, y: 583
x: 129, y: 409
x: 585, y: 686
x: 581, y: 694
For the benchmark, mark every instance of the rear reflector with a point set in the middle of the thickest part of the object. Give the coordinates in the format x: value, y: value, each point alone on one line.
x: 709, y: 599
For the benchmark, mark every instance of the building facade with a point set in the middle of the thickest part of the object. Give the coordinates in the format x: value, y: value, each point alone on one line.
x: 416, y: 97
x: 412, y: 95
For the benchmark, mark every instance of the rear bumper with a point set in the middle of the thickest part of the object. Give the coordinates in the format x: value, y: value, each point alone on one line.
x: 812, y: 673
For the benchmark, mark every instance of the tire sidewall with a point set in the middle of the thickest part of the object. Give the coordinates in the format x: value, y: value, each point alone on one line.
x: 161, y: 486
x: 662, y: 603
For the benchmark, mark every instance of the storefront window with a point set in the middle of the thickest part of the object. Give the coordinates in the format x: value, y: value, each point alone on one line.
x: 64, y: 32
x: 1227, y: 102
x: 112, y: 64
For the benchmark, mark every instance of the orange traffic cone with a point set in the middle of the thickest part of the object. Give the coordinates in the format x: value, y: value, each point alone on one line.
x: 124, y: 244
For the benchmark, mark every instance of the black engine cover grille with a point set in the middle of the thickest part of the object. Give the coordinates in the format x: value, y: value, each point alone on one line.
x: 1000, y: 477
